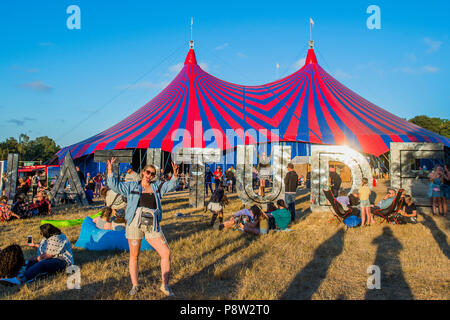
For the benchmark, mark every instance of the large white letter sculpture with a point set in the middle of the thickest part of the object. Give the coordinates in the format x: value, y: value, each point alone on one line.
x: 197, y: 157
x: 281, y: 158
x: 405, y: 171
x: 320, y: 157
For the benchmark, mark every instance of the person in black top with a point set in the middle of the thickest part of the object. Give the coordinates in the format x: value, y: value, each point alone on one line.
x: 290, y: 185
x: 408, y: 212
x: 215, y: 205
x: 81, y: 176
x: 208, y: 180
x: 230, y: 177
x: 90, y: 184
x: 335, y: 182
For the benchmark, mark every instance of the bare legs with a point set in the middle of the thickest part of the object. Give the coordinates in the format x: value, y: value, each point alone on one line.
x: 262, y: 186
x: 366, y: 216
x: 161, y: 247
x: 437, y: 202
x: 133, y: 266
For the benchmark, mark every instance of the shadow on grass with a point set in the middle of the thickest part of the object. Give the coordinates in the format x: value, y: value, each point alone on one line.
x: 393, y: 283
x: 439, y: 236
x: 311, y: 276
x: 203, y: 282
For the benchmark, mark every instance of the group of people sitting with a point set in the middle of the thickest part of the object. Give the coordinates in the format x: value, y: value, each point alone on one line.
x: 359, y: 199
x: 253, y: 220
x: 22, y: 208
x: 54, y: 254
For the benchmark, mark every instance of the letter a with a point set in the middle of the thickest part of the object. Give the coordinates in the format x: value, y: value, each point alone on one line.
x: 74, y: 21
x: 374, y: 21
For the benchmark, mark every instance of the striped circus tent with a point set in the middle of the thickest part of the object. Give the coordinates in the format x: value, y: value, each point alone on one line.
x: 309, y: 106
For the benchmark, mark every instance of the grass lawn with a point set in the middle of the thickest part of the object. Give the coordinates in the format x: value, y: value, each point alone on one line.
x: 316, y: 260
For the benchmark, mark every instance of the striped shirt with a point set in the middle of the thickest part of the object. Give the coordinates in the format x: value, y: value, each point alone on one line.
x: 58, y: 246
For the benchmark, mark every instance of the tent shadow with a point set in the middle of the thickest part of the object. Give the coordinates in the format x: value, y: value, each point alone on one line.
x: 311, y: 276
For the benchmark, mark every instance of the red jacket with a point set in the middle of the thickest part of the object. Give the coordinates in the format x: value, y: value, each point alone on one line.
x: 217, y: 175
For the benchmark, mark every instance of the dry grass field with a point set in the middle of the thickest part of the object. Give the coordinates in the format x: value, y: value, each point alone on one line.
x: 316, y: 260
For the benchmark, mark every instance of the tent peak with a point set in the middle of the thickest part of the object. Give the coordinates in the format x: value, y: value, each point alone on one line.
x: 190, y: 58
x: 311, y: 57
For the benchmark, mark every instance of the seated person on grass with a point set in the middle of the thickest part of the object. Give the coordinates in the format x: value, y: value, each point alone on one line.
x: 118, y: 219
x: 241, y: 217
x: 41, y: 206
x: 408, y: 211
x: 5, y: 213
x: 105, y: 220
x: 11, y: 261
x: 21, y: 208
x: 54, y: 255
x: 259, y: 225
x: 282, y: 215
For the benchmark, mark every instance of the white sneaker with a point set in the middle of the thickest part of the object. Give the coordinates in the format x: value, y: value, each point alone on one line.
x: 166, y: 290
x: 134, y: 290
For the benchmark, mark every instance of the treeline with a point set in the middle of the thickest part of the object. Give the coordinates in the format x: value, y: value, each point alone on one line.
x: 438, y: 125
x: 39, y: 149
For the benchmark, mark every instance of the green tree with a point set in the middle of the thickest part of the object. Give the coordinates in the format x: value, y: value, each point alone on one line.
x: 437, y: 125
x: 40, y: 149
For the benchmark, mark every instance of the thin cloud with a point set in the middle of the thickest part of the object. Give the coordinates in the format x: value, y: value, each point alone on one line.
x: 222, y: 46
x: 37, y: 86
x: 241, y: 55
x: 20, y: 122
x: 299, y: 63
x: 340, y: 74
x: 433, y: 45
x: 16, y: 67
x: 176, y: 67
x: 419, y: 70
x: 430, y: 69
x: 204, y: 66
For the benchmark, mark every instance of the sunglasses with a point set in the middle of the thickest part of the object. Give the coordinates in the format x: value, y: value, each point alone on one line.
x: 151, y: 173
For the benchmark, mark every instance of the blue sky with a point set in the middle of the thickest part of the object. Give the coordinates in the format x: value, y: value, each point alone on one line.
x: 72, y: 84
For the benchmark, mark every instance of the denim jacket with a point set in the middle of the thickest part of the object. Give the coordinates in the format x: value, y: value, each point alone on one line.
x: 132, y: 191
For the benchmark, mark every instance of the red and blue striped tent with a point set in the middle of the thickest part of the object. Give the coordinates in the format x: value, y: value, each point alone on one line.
x: 309, y: 106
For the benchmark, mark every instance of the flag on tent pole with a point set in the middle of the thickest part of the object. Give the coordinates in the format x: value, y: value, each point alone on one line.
x: 311, y: 23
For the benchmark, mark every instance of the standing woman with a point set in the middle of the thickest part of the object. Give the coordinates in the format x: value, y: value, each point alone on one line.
x: 364, y: 193
x: 445, y: 189
x: 143, y: 215
x: 436, y: 179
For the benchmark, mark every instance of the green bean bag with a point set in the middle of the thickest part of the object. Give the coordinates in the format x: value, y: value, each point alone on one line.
x: 68, y: 223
